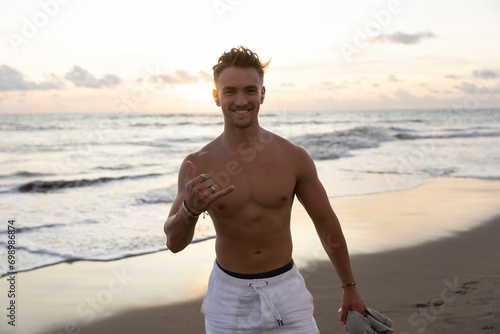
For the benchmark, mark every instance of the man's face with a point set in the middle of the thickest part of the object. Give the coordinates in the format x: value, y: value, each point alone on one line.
x: 239, y: 94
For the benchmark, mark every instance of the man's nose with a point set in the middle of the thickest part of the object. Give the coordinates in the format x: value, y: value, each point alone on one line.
x: 241, y: 100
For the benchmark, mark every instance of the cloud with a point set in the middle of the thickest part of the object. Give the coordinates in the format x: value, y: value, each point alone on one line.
x: 184, y: 77
x: 13, y: 80
x: 467, y: 88
x: 404, y: 38
x: 475, y: 90
x: 206, y: 76
x: 451, y: 76
x: 433, y: 90
x: 180, y: 77
x: 393, y: 78
x: 402, y: 94
x: 110, y: 80
x: 330, y: 85
x: 80, y: 77
x: 486, y: 74
x: 333, y: 85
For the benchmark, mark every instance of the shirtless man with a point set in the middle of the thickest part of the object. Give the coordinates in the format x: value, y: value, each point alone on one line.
x: 247, y: 179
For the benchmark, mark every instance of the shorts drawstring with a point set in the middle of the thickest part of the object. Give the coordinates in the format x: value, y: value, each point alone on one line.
x: 263, y: 295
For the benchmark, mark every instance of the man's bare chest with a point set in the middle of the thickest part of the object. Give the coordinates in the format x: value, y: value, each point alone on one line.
x: 267, y: 181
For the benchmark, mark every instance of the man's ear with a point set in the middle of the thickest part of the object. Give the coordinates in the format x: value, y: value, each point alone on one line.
x: 216, y: 97
x: 262, y: 94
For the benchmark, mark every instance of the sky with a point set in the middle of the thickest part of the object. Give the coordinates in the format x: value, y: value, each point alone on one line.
x: 157, y: 56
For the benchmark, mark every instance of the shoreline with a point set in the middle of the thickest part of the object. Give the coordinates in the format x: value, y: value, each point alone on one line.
x: 71, y: 261
x: 161, y: 293
x: 340, y: 203
x: 445, y: 292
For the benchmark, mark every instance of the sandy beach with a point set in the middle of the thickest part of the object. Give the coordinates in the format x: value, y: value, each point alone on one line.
x: 432, y: 267
x: 447, y: 286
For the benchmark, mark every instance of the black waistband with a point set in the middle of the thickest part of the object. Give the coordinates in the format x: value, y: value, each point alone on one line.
x: 266, y: 274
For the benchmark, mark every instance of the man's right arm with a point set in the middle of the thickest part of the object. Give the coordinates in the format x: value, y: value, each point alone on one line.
x: 179, y: 227
x: 196, y: 193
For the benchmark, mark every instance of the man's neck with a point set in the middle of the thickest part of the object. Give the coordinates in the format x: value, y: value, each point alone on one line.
x: 233, y: 137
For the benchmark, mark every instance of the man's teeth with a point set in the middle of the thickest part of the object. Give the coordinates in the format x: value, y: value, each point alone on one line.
x: 241, y: 111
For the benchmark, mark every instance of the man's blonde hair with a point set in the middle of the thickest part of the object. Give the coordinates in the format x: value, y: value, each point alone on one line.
x: 240, y: 57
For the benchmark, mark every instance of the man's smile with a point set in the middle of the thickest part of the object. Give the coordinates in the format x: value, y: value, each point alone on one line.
x: 242, y: 111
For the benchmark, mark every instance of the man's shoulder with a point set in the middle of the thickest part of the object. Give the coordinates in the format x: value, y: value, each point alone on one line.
x: 289, y: 147
x: 211, y: 147
x: 207, y: 150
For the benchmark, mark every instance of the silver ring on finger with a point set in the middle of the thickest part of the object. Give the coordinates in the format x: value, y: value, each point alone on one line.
x: 203, y: 176
x: 213, y: 189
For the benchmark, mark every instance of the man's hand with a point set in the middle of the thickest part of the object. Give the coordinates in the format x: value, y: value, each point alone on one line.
x: 351, y: 300
x: 201, y: 191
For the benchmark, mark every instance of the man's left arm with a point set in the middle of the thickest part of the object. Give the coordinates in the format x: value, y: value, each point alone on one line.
x: 314, y: 198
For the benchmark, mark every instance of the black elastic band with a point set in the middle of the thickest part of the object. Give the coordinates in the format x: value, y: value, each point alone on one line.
x: 266, y: 274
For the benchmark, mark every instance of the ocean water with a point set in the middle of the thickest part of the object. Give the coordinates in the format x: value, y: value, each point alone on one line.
x: 99, y: 186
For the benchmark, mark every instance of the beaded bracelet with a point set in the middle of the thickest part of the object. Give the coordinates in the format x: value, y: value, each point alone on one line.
x: 348, y: 284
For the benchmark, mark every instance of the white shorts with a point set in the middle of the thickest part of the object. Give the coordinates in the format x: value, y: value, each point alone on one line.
x: 278, y: 304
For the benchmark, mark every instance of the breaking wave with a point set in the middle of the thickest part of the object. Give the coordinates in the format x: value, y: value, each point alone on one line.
x: 46, y: 186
